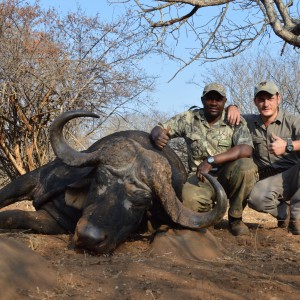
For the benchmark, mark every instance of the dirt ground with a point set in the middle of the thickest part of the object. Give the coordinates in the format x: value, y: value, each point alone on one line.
x: 263, y: 265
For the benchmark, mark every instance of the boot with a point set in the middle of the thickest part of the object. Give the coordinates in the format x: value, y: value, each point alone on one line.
x: 294, y: 227
x: 237, y: 226
x: 283, y: 223
x: 283, y: 220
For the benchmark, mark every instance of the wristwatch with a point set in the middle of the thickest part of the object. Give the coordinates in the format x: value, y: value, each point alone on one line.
x: 211, y: 160
x: 289, y: 146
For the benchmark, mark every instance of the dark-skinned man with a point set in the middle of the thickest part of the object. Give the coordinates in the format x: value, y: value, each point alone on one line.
x: 213, y: 147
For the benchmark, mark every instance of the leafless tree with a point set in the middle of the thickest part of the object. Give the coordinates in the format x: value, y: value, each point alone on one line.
x: 242, y: 73
x: 216, y: 29
x: 51, y: 63
x: 144, y: 121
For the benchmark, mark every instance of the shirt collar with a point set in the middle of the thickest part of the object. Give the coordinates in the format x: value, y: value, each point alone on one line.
x: 278, y: 120
x: 200, y: 115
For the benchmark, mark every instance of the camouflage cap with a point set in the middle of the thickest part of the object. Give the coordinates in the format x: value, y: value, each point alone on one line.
x: 215, y: 87
x: 266, y: 86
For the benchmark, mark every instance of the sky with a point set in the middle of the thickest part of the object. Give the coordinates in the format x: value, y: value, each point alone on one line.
x: 173, y: 97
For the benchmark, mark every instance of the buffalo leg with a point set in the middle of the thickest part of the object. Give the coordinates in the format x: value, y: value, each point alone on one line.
x: 39, y: 221
x: 19, y: 189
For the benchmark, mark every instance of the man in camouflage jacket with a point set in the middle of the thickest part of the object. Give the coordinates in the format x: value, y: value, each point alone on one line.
x: 216, y: 147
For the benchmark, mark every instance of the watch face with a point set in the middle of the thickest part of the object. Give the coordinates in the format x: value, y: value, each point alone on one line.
x: 289, y: 146
x: 210, y: 160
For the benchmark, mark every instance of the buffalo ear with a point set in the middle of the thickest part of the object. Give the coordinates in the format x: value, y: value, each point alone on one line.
x: 76, y: 194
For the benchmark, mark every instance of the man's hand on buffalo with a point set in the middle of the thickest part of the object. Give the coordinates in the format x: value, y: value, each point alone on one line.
x: 159, y: 136
x: 204, y: 167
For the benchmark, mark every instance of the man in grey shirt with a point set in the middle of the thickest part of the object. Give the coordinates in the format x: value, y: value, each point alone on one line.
x: 276, y: 139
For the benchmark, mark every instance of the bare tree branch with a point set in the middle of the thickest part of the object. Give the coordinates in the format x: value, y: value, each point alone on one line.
x: 282, y: 29
x: 213, y: 26
x: 50, y: 63
x: 176, y: 20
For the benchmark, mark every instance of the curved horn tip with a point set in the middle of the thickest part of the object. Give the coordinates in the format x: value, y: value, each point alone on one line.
x: 221, y: 194
x: 79, y: 113
x: 66, y: 116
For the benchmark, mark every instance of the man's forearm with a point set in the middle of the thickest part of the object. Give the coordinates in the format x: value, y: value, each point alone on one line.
x: 296, y: 145
x: 239, y: 151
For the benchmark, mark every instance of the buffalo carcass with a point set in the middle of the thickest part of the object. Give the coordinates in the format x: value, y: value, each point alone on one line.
x: 102, y: 194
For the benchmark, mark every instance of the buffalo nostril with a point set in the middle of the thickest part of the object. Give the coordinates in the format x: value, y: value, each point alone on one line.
x: 89, y: 236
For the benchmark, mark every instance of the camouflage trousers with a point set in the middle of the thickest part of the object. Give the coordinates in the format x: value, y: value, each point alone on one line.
x: 237, y: 178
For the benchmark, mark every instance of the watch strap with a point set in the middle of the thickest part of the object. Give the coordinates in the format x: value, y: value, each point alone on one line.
x: 289, y: 145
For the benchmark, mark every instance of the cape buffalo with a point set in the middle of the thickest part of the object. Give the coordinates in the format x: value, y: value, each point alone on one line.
x: 103, y: 193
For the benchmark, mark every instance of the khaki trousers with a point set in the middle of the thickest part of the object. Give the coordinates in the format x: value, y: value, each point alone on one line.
x: 276, y: 193
x: 237, y: 178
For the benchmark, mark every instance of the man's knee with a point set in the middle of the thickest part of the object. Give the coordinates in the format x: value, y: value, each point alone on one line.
x: 256, y: 198
x: 198, y: 204
x: 243, y: 169
x: 244, y: 165
x: 239, y: 174
x: 197, y: 198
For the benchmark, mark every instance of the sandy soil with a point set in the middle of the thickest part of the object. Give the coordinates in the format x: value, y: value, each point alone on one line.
x: 263, y: 265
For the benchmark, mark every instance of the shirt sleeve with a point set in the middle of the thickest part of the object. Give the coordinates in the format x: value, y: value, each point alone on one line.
x: 241, y: 135
x: 175, y: 126
x: 296, y: 127
x: 248, y: 117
